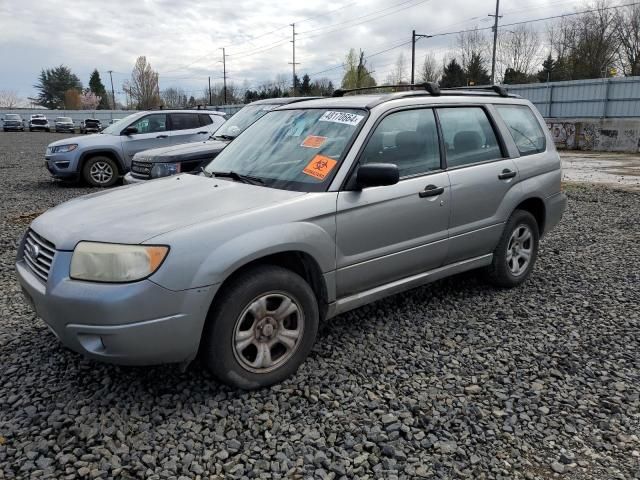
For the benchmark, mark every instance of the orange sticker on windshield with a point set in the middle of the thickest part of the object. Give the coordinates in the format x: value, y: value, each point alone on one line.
x: 313, y: 141
x: 320, y: 166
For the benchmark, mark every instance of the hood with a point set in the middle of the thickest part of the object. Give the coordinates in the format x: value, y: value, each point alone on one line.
x: 183, y: 152
x: 88, y: 140
x: 135, y: 213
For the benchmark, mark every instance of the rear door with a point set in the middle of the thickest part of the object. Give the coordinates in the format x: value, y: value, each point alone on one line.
x: 481, y: 177
x: 391, y: 232
x: 153, y: 132
x: 187, y: 127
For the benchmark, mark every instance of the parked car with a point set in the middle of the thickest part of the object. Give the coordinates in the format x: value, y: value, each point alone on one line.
x: 90, y: 125
x: 39, y: 122
x: 315, y: 209
x: 64, y: 124
x: 13, y: 121
x: 101, y: 159
x: 164, y: 161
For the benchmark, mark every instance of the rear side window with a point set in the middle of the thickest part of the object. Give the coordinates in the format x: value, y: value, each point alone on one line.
x: 205, y: 120
x: 468, y: 136
x: 524, y: 127
x: 184, y: 121
x: 408, y: 139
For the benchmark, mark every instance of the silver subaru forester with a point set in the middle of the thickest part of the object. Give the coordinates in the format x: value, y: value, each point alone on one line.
x: 319, y: 207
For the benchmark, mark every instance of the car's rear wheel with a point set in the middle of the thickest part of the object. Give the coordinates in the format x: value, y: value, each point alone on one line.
x: 516, y: 253
x: 261, y: 328
x: 100, y: 171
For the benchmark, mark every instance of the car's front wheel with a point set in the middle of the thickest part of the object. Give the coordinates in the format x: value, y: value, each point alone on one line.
x: 100, y: 171
x: 262, y: 326
x: 516, y: 253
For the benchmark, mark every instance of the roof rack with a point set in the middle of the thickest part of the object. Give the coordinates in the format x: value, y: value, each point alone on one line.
x: 430, y: 87
x: 488, y: 88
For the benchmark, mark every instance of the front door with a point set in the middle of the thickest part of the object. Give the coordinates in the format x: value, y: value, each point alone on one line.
x: 152, y: 132
x: 391, y: 232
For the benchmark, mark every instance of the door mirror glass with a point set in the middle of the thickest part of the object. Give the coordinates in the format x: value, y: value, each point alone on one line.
x: 129, y: 131
x: 377, y: 175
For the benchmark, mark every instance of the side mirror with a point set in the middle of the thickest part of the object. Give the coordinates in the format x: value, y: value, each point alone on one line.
x: 377, y: 175
x: 129, y: 131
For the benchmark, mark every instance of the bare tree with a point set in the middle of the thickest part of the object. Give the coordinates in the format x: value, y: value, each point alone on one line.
x: 9, y: 99
x: 399, y: 73
x: 173, y: 97
x: 472, y: 43
x: 143, y: 86
x: 430, y: 72
x: 627, y: 25
x: 518, y: 49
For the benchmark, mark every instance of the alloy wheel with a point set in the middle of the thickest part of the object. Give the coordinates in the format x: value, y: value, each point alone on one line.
x: 520, y: 250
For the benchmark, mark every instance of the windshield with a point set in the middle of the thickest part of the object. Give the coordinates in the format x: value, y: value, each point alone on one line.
x: 115, y: 128
x: 292, y: 149
x: 63, y: 119
x: 12, y: 116
x: 242, y: 119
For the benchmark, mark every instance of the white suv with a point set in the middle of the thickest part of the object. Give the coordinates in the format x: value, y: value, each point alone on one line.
x: 101, y: 158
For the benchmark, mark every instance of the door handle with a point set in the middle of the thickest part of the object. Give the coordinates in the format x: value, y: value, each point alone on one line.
x: 431, y: 191
x: 202, y: 133
x: 506, y: 173
x: 162, y: 136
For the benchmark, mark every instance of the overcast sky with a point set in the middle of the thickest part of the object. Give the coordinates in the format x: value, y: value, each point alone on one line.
x: 183, y: 40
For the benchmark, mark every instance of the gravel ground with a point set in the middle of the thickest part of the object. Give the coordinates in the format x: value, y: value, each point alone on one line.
x: 454, y: 380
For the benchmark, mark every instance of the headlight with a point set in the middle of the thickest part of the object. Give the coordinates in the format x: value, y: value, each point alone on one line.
x: 112, y: 262
x: 164, y: 169
x: 64, y: 148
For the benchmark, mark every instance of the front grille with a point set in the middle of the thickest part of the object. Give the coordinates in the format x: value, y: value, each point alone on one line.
x: 38, y: 254
x: 141, y: 169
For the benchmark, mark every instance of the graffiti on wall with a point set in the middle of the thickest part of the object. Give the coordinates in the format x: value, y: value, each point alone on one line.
x: 564, y: 134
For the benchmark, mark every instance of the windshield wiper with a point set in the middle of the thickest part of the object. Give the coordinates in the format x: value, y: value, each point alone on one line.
x: 239, y: 177
x: 206, y: 174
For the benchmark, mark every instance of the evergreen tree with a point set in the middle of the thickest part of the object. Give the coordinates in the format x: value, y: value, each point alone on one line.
x: 53, y: 83
x: 305, y: 86
x: 548, y: 68
x: 96, y: 86
x: 475, y: 72
x: 452, y: 75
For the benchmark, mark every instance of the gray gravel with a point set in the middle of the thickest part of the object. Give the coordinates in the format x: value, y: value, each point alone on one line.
x: 454, y: 380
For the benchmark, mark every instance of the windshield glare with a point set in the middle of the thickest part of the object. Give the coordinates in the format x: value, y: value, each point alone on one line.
x: 242, y: 119
x: 117, y: 127
x: 13, y: 116
x: 292, y: 149
x: 63, y: 119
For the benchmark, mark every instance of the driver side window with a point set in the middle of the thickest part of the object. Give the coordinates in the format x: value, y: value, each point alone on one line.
x: 151, y: 123
x: 408, y: 139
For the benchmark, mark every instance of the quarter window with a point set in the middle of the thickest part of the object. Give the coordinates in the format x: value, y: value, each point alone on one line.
x: 184, y: 121
x: 524, y: 127
x: 205, y: 120
x: 151, y: 124
x: 408, y: 139
x: 468, y: 136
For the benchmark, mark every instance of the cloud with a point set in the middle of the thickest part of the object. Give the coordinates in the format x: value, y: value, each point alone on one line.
x: 183, y: 40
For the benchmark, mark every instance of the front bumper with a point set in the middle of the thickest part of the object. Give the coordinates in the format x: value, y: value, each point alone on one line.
x: 39, y: 127
x: 62, y: 165
x: 130, y: 179
x: 17, y: 128
x: 138, y: 323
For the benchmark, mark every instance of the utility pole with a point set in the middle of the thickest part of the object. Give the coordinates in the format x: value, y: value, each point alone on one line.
x: 495, y: 41
x: 415, y: 36
x: 293, y: 63
x: 224, y: 76
x: 210, y: 102
x: 113, y: 95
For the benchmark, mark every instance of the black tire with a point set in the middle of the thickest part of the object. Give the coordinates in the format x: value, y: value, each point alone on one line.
x: 511, y: 249
x: 93, y: 166
x: 230, y: 316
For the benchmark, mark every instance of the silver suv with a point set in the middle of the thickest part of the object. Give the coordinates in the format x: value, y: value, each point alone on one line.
x: 317, y: 208
x: 102, y: 158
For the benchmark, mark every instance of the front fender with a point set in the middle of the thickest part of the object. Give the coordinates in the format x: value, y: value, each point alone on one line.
x: 221, y: 261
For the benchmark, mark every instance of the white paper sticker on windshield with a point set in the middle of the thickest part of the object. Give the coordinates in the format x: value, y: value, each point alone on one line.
x: 347, y: 118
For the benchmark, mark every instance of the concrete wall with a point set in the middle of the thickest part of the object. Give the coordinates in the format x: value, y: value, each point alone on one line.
x: 599, y: 135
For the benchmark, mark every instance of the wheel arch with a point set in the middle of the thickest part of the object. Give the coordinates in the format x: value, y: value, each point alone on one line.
x: 536, y: 207
x: 112, y: 154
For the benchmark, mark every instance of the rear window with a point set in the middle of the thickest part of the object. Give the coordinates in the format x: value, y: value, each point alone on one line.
x: 184, y: 121
x: 524, y: 127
